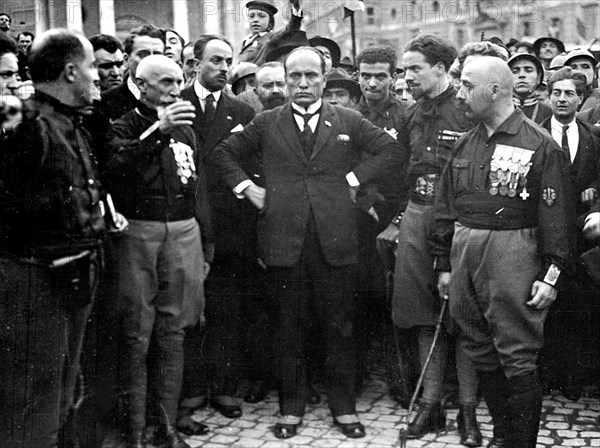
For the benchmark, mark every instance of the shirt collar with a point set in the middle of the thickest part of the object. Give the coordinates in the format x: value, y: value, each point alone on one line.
x: 202, y: 92
x: 509, y: 126
x: 133, y: 88
x: 558, y: 126
x: 310, y: 109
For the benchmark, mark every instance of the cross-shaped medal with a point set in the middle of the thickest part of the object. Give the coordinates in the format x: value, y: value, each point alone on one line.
x: 524, y: 194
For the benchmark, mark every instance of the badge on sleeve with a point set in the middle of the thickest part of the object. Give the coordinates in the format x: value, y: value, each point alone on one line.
x: 549, y: 196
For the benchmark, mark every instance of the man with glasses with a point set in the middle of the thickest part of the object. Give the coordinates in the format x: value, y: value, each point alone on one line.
x: 109, y: 60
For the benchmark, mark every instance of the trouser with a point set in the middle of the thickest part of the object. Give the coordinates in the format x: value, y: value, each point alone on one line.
x: 434, y: 375
x: 160, y: 287
x: 492, y: 275
x: 313, y: 290
x: 43, y: 313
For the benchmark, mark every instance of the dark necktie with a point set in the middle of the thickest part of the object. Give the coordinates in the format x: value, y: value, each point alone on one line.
x: 209, y: 109
x: 565, y: 142
x: 307, y: 133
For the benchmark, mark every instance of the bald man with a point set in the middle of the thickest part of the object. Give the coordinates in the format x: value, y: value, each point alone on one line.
x: 503, y: 209
x: 158, y: 182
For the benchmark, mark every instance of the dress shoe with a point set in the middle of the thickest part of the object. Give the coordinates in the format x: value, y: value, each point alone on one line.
x: 354, y: 430
x: 136, y: 439
x: 498, y: 442
x: 190, y: 427
x: 430, y: 418
x: 572, y: 389
x: 285, y: 430
x: 256, y: 392
x: 467, y: 426
x: 312, y: 396
x: 228, y: 410
x: 168, y: 437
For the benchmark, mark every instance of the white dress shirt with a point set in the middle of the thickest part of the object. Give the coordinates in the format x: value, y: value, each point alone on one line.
x: 572, y: 135
x: 202, y: 92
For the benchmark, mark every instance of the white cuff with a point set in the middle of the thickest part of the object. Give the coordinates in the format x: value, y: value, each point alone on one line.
x: 239, y: 189
x: 594, y: 215
x: 297, y: 12
x: 352, y: 180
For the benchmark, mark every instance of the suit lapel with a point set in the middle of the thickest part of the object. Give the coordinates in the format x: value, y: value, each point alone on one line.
x: 324, y: 130
x: 288, y: 126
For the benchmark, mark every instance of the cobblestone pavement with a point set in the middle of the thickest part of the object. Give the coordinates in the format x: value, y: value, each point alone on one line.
x: 564, y: 424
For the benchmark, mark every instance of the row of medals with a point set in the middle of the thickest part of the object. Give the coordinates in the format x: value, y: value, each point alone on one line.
x: 184, y: 156
x: 508, y: 171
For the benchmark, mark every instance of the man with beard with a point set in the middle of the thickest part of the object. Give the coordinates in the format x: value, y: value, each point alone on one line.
x: 235, y: 268
x: 432, y: 126
x: 528, y: 74
x: 503, y: 213
x: 270, y: 85
x: 158, y: 181
x: 109, y: 59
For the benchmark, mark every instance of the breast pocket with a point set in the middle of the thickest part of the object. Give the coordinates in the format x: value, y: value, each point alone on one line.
x: 461, y: 174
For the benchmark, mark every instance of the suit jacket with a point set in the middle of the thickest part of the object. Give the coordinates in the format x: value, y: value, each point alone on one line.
x: 233, y: 220
x: 584, y: 169
x: 117, y: 101
x: 297, y: 186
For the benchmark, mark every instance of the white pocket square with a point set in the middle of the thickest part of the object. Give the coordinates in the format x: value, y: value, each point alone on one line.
x: 238, y: 128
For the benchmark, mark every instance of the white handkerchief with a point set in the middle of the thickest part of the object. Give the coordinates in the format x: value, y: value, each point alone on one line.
x: 238, y: 128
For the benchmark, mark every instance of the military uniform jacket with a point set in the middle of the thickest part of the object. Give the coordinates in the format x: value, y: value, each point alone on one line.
x: 477, y: 196
x: 297, y: 186
x: 431, y: 128
x: 159, y: 178
x: 49, y: 188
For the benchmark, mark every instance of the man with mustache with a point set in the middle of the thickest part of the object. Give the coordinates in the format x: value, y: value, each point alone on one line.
x: 502, y: 237
x: 270, y: 85
x: 157, y: 179
x: 547, y: 48
x: 235, y: 268
x: 432, y: 126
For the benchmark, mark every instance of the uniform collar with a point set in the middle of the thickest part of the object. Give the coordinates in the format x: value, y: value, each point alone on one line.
x: 510, y: 126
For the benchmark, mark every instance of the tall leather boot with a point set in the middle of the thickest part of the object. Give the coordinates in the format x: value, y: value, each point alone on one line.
x: 467, y: 425
x: 496, y: 391
x: 525, y: 405
x: 430, y: 418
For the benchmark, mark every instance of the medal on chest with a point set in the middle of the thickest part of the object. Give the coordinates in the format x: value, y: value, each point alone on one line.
x: 184, y: 157
x: 508, y: 171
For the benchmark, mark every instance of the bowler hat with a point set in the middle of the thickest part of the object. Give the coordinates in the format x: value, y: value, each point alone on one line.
x: 334, y: 48
x: 338, y: 77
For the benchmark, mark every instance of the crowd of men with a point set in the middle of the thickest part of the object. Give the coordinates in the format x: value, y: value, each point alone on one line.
x: 262, y: 223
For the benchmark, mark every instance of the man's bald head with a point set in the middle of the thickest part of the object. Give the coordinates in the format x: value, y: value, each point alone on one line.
x: 159, y: 79
x: 155, y: 65
x: 486, y: 86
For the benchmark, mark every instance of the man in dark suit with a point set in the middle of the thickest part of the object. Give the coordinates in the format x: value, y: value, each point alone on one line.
x: 571, y: 319
x: 234, y: 268
x: 307, y: 236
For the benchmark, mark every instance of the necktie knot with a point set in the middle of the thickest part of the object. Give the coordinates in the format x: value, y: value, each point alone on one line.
x: 306, y: 117
x: 565, y: 128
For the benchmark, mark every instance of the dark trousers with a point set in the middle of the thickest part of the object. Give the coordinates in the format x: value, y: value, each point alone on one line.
x: 314, y: 292
x: 43, y: 313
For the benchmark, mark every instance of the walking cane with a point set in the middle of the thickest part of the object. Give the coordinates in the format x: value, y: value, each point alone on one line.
x: 406, y: 420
